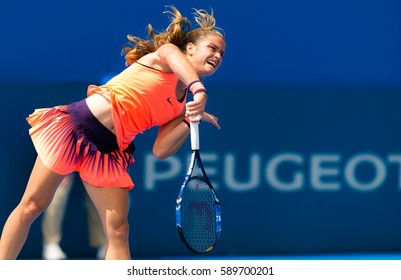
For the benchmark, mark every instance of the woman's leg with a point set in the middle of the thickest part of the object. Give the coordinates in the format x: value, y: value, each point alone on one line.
x: 38, y: 194
x: 97, y: 238
x: 112, y: 206
x: 52, y: 221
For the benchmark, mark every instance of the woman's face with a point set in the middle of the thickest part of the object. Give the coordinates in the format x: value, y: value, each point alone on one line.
x: 207, y: 55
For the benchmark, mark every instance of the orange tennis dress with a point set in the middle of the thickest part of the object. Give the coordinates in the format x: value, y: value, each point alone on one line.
x: 69, y: 138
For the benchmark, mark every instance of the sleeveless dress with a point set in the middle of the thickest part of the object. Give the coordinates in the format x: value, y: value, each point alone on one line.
x: 69, y: 138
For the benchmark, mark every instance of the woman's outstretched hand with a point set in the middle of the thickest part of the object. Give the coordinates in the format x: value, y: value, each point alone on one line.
x: 206, y: 117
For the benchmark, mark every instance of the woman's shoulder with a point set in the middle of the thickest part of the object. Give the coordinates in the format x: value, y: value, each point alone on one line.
x: 153, y: 61
x: 158, y: 59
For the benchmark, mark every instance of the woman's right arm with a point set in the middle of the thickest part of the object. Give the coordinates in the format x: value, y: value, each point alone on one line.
x: 169, y: 58
x: 175, y: 61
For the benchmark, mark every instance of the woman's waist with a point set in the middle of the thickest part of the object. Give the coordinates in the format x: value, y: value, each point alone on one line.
x: 101, y: 108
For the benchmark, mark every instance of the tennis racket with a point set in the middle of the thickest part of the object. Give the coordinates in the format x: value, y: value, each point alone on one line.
x: 198, y: 211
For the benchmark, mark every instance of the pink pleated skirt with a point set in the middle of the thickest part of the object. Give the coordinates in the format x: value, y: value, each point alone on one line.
x: 70, y: 139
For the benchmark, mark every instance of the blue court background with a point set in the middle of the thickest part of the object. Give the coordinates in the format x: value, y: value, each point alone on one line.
x: 308, y: 160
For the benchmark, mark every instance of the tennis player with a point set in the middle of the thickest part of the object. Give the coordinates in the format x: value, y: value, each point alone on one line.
x: 94, y: 136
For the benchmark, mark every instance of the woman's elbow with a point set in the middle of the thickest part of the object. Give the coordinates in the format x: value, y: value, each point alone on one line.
x: 161, y: 153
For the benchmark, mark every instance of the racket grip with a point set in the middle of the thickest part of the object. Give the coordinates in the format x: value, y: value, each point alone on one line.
x: 194, y: 130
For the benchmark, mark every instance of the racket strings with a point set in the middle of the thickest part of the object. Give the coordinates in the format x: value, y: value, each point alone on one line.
x: 198, y: 216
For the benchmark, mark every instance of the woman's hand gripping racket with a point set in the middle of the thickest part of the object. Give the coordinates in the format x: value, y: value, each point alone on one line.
x: 198, y: 211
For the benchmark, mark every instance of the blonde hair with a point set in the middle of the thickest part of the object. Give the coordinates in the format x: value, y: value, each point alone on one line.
x: 179, y: 32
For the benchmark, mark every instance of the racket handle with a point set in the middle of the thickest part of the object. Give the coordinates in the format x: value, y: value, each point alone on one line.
x: 194, y: 135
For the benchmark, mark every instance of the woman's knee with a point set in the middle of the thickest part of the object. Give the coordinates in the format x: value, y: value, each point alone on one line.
x: 31, y: 209
x: 117, y: 226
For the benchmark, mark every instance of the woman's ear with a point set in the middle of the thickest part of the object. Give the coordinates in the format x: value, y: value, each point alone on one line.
x: 190, y: 49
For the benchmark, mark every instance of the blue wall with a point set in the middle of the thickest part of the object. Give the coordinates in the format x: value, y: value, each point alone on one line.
x: 308, y: 159
x: 297, y: 172
x: 289, y: 42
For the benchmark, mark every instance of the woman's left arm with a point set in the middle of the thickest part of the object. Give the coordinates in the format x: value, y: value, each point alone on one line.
x: 170, y: 138
x: 172, y: 135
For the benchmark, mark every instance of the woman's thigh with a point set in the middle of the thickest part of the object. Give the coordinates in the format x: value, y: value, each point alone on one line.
x: 110, y: 202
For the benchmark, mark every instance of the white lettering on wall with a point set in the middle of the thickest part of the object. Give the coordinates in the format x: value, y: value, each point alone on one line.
x: 283, y: 172
x: 288, y: 159
x: 379, y: 174
x: 231, y: 174
x: 326, y: 172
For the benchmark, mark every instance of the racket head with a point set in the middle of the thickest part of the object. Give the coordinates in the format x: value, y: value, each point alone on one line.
x: 198, y: 215
x: 198, y: 211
